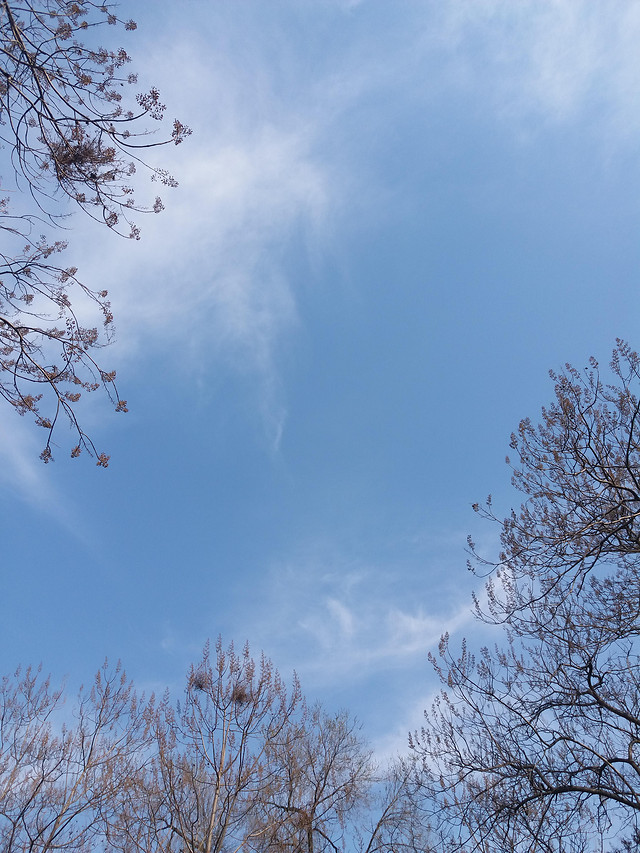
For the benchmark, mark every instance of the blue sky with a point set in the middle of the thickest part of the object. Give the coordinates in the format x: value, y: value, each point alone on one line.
x: 393, y: 219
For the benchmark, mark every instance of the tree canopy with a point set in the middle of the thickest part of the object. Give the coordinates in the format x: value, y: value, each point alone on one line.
x: 534, y: 743
x: 73, y: 137
x: 240, y: 763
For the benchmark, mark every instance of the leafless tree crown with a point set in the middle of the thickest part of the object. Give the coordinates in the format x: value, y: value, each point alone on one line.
x: 535, y: 743
x: 239, y: 764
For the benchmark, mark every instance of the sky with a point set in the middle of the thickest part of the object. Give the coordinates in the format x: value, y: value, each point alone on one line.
x: 393, y: 219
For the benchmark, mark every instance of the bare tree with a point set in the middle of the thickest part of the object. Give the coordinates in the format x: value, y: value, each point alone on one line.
x: 325, y: 777
x: 60, y: 779
x: 395, y: 821
x: 71, y: 137
x: 329, y: 795
x: 580, y: 472
x: 536, y: 743
x: 241, y: 764
x: 212, y: 762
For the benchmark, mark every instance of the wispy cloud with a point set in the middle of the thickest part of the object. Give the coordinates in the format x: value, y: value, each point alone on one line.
x: 340, y: 621
x: 24, y: 479
x: 358, y: 636
x: 209, y: 280
x: 554, y: 60
x: 20, y: 469
x: 274, y: 164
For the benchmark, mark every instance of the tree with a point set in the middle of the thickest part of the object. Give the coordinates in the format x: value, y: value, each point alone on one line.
x: 244, y: 764
x: 395, y: 822
x: 212, y: 758
x: 59, y: 782
x: 329, y: 795
x: 326, y: 775
x: 72, y: 139
x: 535, y: 745
x: 241, y: 764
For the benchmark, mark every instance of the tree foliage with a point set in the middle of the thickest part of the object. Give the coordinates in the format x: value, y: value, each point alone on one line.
x: 72, y: 138
x: 536, y: 742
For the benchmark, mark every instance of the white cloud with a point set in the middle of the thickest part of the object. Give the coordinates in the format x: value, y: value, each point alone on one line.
x: 20, y: 468
x: 208, y: 282
x: 551, y: 59
x: 209, y: 267
x: 268, y: 163
x: 357, y: 635
x: 333, y: 622
x: 270, y: 160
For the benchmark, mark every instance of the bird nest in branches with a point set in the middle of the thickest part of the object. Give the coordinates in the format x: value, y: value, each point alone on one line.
x: 81, y: 159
